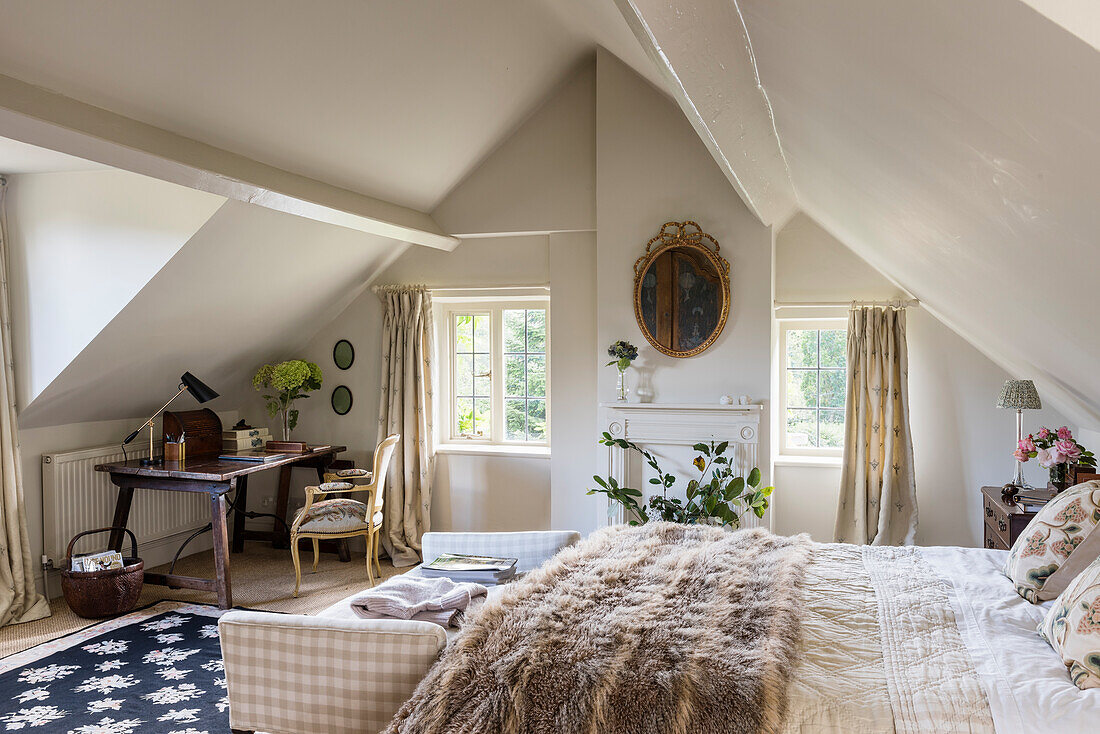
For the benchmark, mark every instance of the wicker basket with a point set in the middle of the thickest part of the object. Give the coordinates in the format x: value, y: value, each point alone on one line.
x: 95, y: 594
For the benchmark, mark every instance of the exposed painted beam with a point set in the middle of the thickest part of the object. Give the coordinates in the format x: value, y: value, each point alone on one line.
x: 703, y: 49
x: 40, y: 117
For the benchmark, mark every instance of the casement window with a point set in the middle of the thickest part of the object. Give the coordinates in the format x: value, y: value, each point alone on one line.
x: 495, y: 371
x: 812, y: 387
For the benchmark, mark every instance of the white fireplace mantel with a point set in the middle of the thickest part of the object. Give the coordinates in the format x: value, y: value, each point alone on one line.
x: 664, y: 429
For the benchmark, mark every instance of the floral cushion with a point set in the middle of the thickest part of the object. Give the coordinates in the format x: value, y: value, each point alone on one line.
x: 338, y: 515
x: 352, y: 473
x: 1059, y: 542
x: 1072, y: 627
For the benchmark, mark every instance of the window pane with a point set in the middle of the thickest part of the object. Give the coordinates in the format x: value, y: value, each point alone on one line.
x: 481, y: 333
x: 802, y: 388
x: 464, y: 416
x: 833, y: 388
x: 464, y: 374
x: 536, y: 420
x: 515, y: 371
x: 464, y: 333
x: 834, y: 347
x: 514, y: 340
x: 536, y: 330
x: 536, y: 376
x: 482, y: 375
x: 802, y: 348
x: 832, y: 429
x: 482, y: 417
x: 801, y: 428
x: 515, y: 420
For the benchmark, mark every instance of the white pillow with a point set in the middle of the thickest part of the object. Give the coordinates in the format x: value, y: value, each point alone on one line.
x: 1060, y: 541
x: 1072, y: 627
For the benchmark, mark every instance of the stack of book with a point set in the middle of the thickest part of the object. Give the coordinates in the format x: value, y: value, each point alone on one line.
x: 479, y: 569
x: 245, y: 439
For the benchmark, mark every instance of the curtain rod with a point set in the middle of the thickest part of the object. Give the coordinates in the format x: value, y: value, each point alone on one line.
x: 895, y: 303
x: 493, y: 288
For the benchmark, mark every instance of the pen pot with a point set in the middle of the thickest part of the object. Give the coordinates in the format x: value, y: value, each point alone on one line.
x: 175, y: 451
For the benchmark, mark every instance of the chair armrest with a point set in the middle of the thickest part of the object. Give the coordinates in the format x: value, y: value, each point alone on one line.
x: 530, y: 548
x: 296, y: 674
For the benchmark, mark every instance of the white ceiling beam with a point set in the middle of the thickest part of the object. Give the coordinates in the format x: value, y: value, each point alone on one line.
x: 717, y: 86
x: 40, y: 117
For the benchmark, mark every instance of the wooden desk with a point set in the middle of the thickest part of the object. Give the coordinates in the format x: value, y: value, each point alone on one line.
x: 216, y: 478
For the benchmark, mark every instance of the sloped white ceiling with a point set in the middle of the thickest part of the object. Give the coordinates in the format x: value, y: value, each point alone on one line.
x: 393, y: 99
x: 955, y: 146
x: 252, y: 286
x: 82, y: 244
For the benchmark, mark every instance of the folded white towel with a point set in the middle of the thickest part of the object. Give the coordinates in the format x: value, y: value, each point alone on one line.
x: 406, y: 597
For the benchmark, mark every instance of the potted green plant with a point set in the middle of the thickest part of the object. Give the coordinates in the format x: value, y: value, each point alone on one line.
x: 718, y: 496
x: 286, y: 382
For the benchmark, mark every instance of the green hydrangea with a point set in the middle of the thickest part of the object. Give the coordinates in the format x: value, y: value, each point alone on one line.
x: 286, y: 382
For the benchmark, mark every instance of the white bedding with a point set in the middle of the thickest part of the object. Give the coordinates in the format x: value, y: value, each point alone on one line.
x: 1026, y: 684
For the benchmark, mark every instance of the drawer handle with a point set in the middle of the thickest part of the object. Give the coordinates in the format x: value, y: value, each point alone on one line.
x: 989, y: 511
x: 989, y: 543
x: 1002, y: 525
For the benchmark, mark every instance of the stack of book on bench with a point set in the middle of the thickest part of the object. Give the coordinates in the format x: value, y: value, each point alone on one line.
x: 479, y: 569
x: 245, y: 439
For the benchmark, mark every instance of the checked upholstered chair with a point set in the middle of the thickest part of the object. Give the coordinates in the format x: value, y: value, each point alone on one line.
x: 330, y: 513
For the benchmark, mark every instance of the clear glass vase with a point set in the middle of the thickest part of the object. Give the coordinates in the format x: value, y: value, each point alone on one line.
x: 622, y: 386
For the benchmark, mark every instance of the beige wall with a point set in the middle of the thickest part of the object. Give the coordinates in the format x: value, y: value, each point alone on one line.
x: 651, y: 168
x: 960, y: 440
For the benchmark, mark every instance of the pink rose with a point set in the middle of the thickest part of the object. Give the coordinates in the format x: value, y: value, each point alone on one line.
x: 1050, y: 457
x: 1064, y: 434
x: 1027, y: 445
x: 1068, y: 449
x: 1020, y: 455
x: 1044, y: 433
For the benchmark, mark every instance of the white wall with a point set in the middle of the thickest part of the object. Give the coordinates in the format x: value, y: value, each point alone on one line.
x: 82, y: 245
x: 960, y: 440
x: 651, y: 168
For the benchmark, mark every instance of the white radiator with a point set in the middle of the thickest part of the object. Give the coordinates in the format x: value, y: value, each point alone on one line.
x: 75, y: 497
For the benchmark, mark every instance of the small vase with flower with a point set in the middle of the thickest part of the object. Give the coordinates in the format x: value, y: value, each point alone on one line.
x: 623, y: 353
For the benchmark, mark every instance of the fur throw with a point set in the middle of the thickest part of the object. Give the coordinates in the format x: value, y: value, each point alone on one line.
x: 657, y: 629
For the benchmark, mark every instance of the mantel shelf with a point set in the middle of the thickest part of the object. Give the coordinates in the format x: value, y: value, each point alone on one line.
x: 751, y: 408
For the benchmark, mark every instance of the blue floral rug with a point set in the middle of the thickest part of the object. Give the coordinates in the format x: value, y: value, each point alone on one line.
x: 154, y: 670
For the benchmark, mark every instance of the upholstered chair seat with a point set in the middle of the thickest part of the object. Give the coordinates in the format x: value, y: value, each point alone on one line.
x: 337, y: 515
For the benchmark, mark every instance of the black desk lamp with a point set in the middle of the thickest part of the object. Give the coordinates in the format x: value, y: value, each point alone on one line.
x: 198, y: 389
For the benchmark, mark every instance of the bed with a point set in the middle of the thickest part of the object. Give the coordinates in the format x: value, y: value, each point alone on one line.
x: 888, y: 640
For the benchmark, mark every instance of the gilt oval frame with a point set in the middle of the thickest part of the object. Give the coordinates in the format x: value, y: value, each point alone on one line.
x: 687, y: 234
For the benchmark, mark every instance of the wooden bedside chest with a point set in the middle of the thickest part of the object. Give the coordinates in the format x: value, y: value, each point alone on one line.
x: 1003, y: 522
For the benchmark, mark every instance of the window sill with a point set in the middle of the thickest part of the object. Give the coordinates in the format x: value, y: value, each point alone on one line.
x: 516, y: 452
x: 820, y: 462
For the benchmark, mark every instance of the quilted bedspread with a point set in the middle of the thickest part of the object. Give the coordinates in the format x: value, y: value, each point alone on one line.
x: 880, y: 650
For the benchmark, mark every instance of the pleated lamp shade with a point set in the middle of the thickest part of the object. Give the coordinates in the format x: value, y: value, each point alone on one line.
x: 1019, y: 395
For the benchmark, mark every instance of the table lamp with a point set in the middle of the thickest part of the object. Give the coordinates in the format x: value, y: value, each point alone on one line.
x: 198, y: 389
x: 1019, y: 395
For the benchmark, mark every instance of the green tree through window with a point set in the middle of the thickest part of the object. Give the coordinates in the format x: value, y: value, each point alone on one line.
x: 815, y: 370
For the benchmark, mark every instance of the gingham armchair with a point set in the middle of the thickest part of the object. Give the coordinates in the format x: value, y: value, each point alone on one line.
x: 338, y: 673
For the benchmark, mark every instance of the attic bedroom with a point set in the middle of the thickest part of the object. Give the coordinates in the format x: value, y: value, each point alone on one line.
x: 612, y: 366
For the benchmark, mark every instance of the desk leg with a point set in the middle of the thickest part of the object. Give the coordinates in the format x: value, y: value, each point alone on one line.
x: 282, y: 501
x: 122, y: 515
x: 221, y: 551
x: 342, y: 551
x: 240, y: 506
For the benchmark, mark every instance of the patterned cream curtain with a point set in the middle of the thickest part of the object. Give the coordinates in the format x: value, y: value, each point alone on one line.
x: 19, y: 600
x: 878, y: 492
x: 406, y: 408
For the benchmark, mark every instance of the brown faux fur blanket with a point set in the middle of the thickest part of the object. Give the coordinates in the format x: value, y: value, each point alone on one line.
x: 658, y: 629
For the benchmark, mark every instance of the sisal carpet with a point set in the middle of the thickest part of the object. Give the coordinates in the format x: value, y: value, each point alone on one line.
x: 262, y: 577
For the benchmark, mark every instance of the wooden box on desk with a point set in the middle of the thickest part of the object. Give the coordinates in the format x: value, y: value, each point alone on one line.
x: 201, y: 430
x: 1003, y: 522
